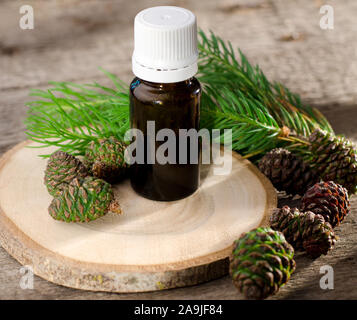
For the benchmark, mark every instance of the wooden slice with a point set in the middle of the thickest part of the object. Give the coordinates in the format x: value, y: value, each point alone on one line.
x: 152, y: 246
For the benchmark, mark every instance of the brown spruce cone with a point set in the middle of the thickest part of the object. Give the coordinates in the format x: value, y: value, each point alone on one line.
x: 328, y: 199
x: 334, y: 158
x: 61, y: 169
x: 261, y: 262
x: 85, y: 199
x: 106, y: 159
x: 287, y: 172
x: 304, y: 230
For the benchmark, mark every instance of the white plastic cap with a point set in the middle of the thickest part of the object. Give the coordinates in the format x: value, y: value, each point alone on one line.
x: 165, y: 44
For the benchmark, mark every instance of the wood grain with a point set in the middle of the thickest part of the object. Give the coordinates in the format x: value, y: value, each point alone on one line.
x: 154, y: 245
x: 69, y: 42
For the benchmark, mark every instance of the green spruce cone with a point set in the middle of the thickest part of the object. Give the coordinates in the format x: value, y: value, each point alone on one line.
x: 334, y: 158
x: 84, y: 200
x: 61, y: 169
x: 261, y: 262
x: 106, y: 159
x: 287, y: 172
x: 329, y: 200
x: 304, y: 230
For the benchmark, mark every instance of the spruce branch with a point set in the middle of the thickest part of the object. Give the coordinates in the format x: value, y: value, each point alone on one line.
x: 218, y: 66
x: 254, y: 129
x: 70, y: 115
x: 236, y: 95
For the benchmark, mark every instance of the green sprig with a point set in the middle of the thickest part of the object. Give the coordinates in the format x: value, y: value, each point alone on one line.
x: 236, y: 96
x: 70, y: 115
x: 219, y: 67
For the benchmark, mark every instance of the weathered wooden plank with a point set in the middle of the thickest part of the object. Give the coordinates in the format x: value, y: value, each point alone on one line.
x: 70, y: 42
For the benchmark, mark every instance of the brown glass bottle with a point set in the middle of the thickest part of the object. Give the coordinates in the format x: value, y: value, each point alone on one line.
x: 174, y: 106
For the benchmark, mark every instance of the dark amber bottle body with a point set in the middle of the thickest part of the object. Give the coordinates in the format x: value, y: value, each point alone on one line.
x: 171, y: 106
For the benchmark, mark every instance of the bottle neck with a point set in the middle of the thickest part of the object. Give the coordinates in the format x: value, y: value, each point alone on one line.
x: 164, y: 75
x: 170, y: 85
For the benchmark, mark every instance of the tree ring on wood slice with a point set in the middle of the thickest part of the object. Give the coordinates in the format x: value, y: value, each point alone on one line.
x: 152, y: 246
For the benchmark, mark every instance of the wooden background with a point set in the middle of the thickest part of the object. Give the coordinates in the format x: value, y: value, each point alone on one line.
x: 71, y: 39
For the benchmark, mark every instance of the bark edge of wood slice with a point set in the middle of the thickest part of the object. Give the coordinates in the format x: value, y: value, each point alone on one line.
x: 153, y: 246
